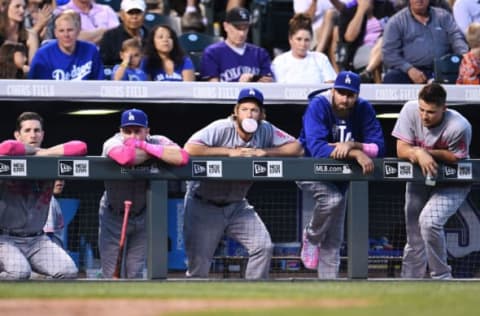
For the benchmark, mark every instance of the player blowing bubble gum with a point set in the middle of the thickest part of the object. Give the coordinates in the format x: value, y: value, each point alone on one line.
x: 131, y: 146
x: 217, y: 208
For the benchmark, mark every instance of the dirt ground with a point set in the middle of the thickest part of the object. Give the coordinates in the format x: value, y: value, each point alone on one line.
x: 140, y: 307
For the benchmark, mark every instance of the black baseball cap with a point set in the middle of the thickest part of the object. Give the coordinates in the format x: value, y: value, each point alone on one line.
x: 238, y: 15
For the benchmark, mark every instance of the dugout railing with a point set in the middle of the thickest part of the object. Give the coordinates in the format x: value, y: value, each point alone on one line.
x: 251, y: 169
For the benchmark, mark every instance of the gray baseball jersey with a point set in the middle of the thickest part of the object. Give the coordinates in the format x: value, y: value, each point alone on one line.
x: 222, y: 133
x: 118, y: 191
x: 24, y: 205
x: 453, y: 133
x: 111, y: 217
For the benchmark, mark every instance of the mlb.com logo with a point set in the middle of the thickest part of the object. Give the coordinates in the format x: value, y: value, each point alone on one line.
x: 271, y: 169
x: 211, y: 169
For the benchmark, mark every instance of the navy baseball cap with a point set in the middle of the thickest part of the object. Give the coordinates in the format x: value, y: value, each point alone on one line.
x: 347, y: 80
x: 134, y: 117
x: 251, y: 94
x: 238, y: 15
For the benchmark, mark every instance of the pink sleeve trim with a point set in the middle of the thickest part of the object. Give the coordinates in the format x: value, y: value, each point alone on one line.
x: 371, y: 150
x: 124, y: 155
x: 75, y: 148
x: 12, y: 147
x: 185, y: 157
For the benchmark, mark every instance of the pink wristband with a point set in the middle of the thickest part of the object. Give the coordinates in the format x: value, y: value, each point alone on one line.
x: 151, y: 149
x: 185, y: 157
x: 123, y: 155
x: 12, y: 147
x: 371, y: 150
x: 74, y: 148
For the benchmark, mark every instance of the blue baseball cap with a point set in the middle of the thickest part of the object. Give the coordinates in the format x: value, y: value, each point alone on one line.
x: 251, y: 94
x: 134, y: 117
x: 347, y: 80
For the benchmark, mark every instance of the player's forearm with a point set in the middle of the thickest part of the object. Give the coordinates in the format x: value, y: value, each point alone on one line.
x: 443, y: 155
x: 72, y: 148
x: 407, y: 151
x: 202, y: 150
x: 293, y: 149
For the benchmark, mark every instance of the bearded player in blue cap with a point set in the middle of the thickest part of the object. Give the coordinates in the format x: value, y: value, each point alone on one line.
x: 339, y: 125
x: 217, y: 208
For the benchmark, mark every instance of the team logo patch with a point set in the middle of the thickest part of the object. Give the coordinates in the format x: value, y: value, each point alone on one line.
x: 13, y: 167
x: 75, y: 168
x: 211, y: 169
x: 270, y: 169
x: 320, y: 168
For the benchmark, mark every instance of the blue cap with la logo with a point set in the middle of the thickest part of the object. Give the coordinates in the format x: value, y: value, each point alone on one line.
x: 134, y: 117
x: 252, y: 94
x: 347, y: 80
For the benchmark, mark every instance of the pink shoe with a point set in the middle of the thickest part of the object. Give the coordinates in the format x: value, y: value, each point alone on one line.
x: 309, y: 254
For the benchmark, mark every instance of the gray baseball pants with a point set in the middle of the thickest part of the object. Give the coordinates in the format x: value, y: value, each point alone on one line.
x: 109, y: 238
x: 427, y: 209
x: 20, y: 255
x: 204, y: 226
x: 326, y: 226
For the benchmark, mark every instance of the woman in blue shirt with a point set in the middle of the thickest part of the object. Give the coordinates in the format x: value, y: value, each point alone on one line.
x: 164, y: 59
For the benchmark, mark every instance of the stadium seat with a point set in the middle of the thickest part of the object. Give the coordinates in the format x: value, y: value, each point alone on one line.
x: 152, y: 19
x: 446, y: 68
x: 115, y: 4
x: 194, y: 44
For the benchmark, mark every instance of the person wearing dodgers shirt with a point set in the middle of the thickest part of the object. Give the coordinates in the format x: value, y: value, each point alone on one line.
x: 67, y: 58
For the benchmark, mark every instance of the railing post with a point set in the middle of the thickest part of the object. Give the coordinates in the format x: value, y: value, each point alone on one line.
x: 157, y: 230
x: 357, y: 225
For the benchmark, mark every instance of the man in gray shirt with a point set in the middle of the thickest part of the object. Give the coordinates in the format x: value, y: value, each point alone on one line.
x: 414, y: 37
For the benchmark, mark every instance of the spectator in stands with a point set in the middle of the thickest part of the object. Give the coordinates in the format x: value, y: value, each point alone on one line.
x: 465, y: 13
x: 12, y: 27
x: 361, y: 24
x: 55, y: 224
x: 428, y: 133
x: 323, y: 16
x: 299, y: 65
x: 338, y: 125
x: 234, y: 59
x: 416, y: 35
x: 96, y: 18
x: 129, y: 69
x: 215, y: 208
x: 193, y: 22
x: 13, y: 61
x: 132, y: 13
x: 67, y: 58
x: 39, y: 17
x: 132, y: 145
x: 25, y: 204
x: 469, y: 71
x: 164, y: 58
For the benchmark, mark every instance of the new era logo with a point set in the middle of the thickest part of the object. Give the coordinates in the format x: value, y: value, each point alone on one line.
x: 5, y: 167
x: 207, y: 169
x: 271, y: 169
x: 75, y: 168
x: 390, y: 169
